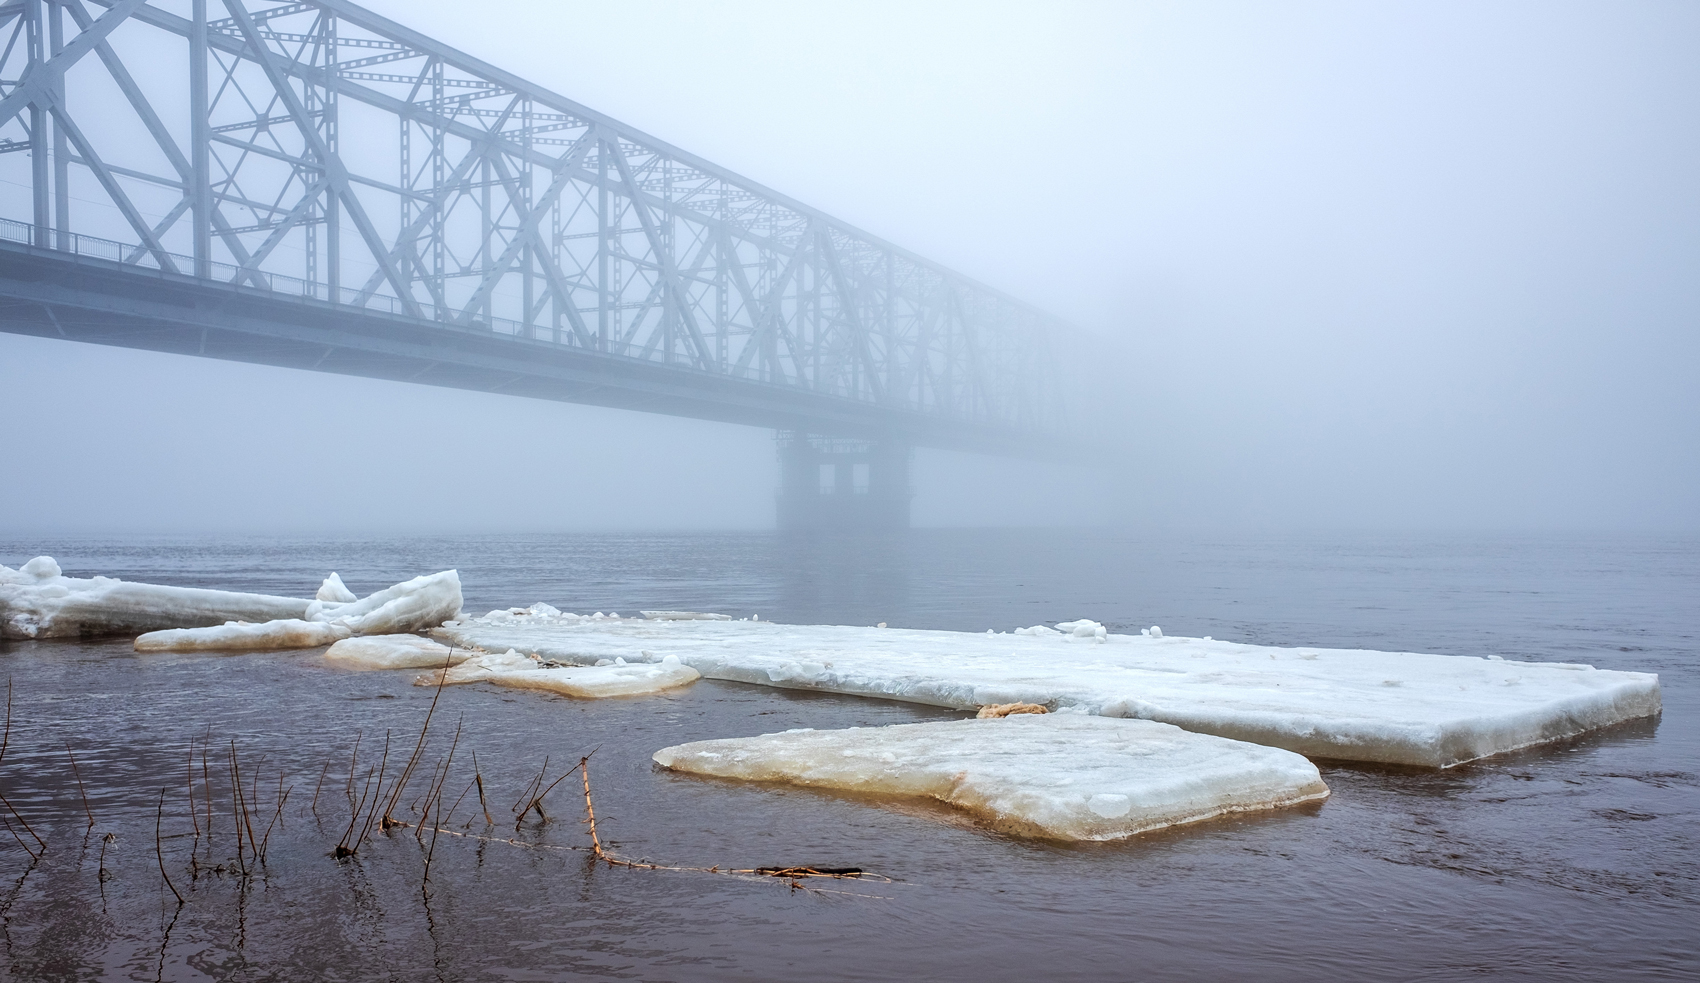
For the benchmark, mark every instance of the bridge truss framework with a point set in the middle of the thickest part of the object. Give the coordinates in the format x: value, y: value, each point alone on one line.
x: 243, y: 157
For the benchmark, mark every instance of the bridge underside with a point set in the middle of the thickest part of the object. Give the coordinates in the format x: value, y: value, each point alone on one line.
x: 46, y: 294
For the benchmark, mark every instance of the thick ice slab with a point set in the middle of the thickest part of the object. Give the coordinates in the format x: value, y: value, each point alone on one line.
x: 423, y: 602
x: 239, y: 636
x: 584, y: 682
x: 1395, y: 707
x: 1065, y: 776
x: 393, y: 652
x: 37, y: 601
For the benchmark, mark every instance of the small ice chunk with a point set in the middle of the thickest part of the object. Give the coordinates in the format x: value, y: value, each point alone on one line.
x: 684, y: 616
x: 335, y: 591
x: 41, y: 568
x: 393, y: 652
x: 1068, y: 777
x: 239, y: 636
x: 1037, y: 630
x: 541, y: 610
x: 1156, y: 632
x: 1082, y: 629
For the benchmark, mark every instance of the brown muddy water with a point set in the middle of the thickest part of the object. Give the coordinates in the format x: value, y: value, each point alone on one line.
x: 1576, y: 861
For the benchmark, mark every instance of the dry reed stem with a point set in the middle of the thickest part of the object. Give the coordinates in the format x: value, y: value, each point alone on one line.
x: 478, y: 777
x: 206, y: 780
x: 277, y: 817
x: 342, y: 848
x: 320, y: 785
x: 189, y: 784
x: 6, y: 742
x: 158, y: 851
x: 349, y: 787
x: 33, y: 855
x: 247, y: 819
x: 383, y: 763
x: 236, y: 811
x: 532, y: 800
x: 419, y: 748
x: 80, y: 789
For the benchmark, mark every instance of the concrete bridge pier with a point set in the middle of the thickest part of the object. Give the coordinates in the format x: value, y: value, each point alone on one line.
x: 833, y: 483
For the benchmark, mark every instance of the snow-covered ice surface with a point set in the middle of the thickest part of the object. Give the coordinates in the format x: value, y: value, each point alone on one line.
x: 423, y: 602
x: 393, y: 652
x: 1393, y: 707
x: 38, y: 601
x: 1066, y: 776
x: 240, y: 636
x: 510, y: 668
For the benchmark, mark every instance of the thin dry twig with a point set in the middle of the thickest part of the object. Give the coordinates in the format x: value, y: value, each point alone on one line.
x: 80, y: 789
x: 158, y: 850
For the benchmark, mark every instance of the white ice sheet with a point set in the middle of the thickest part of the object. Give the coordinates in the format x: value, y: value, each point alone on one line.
x: 1395, y: 707
x: 1062, y: 775
x: 38, y: 601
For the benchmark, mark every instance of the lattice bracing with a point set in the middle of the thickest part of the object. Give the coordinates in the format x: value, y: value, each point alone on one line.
x: 317, y: 150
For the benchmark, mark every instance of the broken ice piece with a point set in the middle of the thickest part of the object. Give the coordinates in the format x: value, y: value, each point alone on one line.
x: 334, y: 590
x: 1059, y: 776
x: 423, y: 602
x: 393, y: 652
x: 241, y: 636
x: 584, y: 682
x: 38, y: 601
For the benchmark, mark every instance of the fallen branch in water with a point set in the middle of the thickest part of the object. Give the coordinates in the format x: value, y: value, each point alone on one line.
x: 795, y: 874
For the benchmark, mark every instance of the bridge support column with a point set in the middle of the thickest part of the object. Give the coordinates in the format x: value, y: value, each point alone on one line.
x: 829, y: 483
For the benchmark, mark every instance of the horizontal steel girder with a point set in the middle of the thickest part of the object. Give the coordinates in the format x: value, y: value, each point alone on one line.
x: 48, y: 295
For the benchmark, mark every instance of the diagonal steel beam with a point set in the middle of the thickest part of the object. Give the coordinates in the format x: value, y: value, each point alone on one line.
x: 663, y: 255
x: 528, y: 222
x: 335, y: 171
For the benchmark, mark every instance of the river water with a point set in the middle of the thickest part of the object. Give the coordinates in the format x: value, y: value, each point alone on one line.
x: 1575, y: 861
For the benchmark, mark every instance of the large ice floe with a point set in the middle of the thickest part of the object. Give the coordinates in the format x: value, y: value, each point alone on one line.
x: 1060, y: 775
x: 423, y: 602
x: 394, y: 652
x: 38, y: 601
x: 618, y: 678
x: 1394, y: 707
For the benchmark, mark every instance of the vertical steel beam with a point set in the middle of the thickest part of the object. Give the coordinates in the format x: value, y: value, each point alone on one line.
x: 604, y: 246
x: 40, y: 154
x: 333, y: 207
x: 200, y: 178
x: 61, y: 152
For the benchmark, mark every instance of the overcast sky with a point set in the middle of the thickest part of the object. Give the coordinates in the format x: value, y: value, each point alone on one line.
x: 1424, y: 265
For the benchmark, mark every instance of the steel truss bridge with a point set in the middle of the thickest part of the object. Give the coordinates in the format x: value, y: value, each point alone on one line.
x: 308, y: 184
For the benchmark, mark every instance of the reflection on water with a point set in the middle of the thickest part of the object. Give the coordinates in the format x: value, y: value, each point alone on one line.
x: 1571, y: 861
